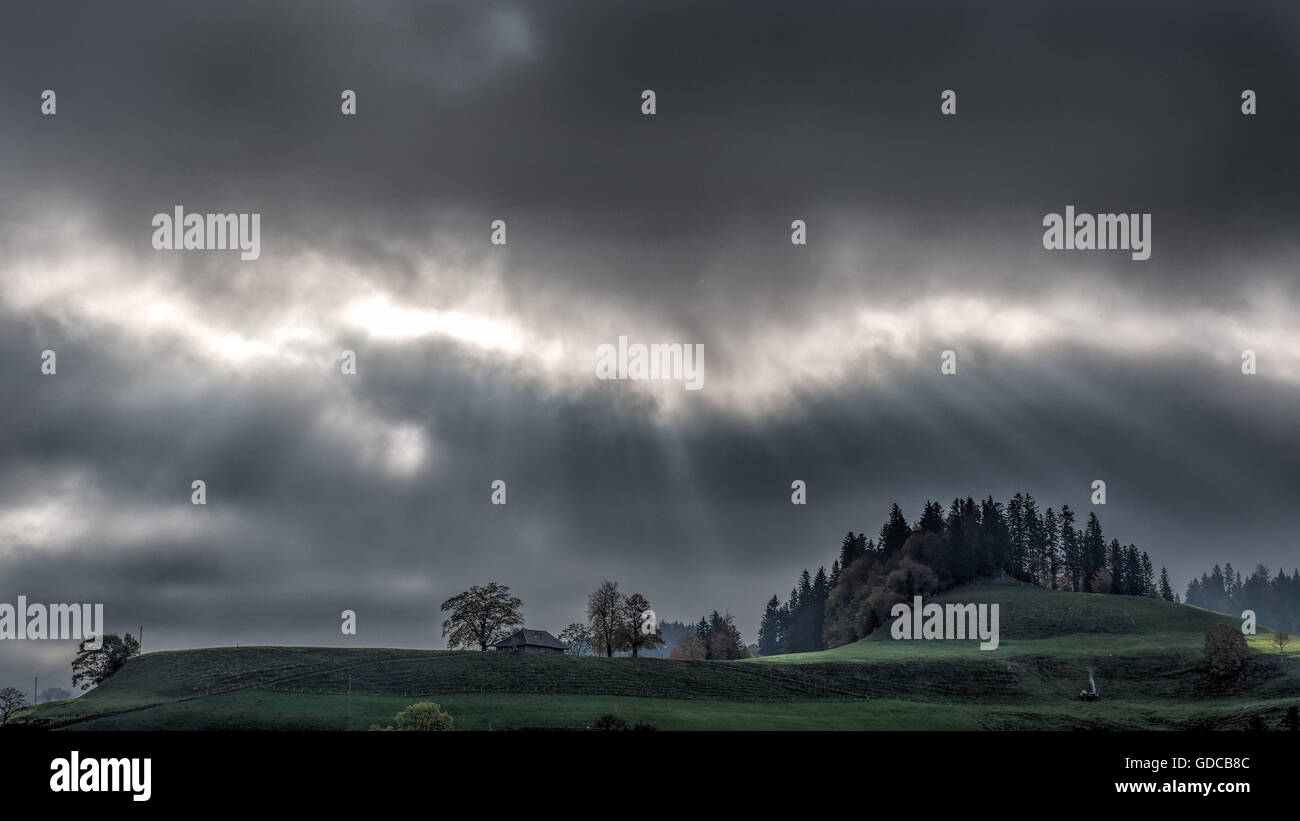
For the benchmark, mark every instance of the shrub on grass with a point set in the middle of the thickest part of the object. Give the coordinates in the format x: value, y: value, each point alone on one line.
x: 609, y: 721
x: 1226, y: 650
x: 424, y: 716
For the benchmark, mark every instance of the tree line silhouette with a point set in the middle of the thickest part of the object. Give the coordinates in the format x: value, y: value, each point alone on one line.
x: 939, y: 551
x: 1275, y: 599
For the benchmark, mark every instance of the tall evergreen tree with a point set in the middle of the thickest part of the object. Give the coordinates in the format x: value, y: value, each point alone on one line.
x: 804, y: 621
x: 1071, y: 550
x: 769, y: 630
x: 1149, y: 588
x: 1016, y: 535
x: 931, y: 518
x: 790, y: 623
x: 1134, y: 583
x: 979, y: 561
x: 1033, y: 547
x: 994, y: 534
x: 893, y: 533
x: 1050, y: 562
x: 1118, y: 584
x: 851, y: 548
x: 820, y: 592
x: 784, y: 621
x: 1094, y: 550
x: 1216, y: 591
x: 1166, y: 591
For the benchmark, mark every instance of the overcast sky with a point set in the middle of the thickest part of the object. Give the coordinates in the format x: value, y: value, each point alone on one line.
x: 477, y: 362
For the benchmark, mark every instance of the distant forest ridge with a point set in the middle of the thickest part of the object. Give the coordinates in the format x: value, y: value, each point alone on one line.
x: 1275, y: 599
x: 939, y: 551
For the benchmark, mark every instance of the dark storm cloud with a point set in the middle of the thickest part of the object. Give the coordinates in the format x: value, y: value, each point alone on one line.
x: 531, y: 111
x: 371, y: 492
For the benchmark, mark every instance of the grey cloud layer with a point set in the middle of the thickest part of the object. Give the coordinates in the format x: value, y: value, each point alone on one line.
x: 371, y: 493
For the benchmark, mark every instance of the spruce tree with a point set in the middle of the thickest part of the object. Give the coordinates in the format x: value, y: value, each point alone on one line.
x: 931, y: 518
x: 820, y: 593
x: 1117, y: 581
x: 805, y: 617
x: 894, y: 533
x: 1134, y: 583
x: 975, y: 560
x: 1033, y: 535
x: 790, y: 625
x: 994, y: 535
x: 1050, y: 561
x: 1148, y: 577
x: 1094, y: 549
x: 1216, y: 591
x: 1016, y: 535
x: 769, y: 629
x: 1166, y: 591
x: 850, y: 549
x: 1071, y: 550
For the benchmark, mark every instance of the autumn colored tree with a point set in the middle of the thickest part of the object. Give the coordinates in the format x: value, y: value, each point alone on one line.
x: 688, y: 648
x: 1225, y: 649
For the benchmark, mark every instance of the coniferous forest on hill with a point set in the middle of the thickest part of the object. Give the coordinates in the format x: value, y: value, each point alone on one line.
x: 977, y: 539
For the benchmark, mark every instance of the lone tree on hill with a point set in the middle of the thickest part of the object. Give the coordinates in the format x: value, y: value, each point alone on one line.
x: 11, y: 699
x: 92, y: 665
x: 1225, y: 649
x: 482, y: 616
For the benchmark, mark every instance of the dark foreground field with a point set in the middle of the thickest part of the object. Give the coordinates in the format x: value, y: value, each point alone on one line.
x: 1145, y: 655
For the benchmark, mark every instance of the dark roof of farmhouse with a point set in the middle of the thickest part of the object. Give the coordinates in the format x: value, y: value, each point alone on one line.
x: 530, y: 638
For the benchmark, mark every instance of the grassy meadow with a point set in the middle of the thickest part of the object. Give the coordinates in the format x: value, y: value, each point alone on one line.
x: 1145, y: 655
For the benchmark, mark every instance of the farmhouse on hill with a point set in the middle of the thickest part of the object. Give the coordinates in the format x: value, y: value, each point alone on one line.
x: 530, y: 641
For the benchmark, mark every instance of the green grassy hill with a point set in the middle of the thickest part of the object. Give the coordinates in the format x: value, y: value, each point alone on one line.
x: 1145, y: 655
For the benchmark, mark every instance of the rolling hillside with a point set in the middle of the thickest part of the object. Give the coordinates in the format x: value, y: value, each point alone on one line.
x: 1145, y: 655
